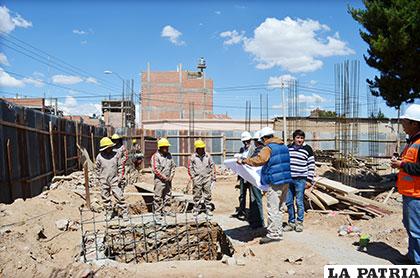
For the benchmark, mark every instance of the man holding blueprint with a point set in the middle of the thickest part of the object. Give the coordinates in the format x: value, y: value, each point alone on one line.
x: 275, y: 174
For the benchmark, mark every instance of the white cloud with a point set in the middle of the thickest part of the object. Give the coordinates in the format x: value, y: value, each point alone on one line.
x: 314, y: 98
x: 91, y: 80
x: 278, y: 81
x: 3, y: 59
x: 7, y: 80
x: 72, y: 107
x: 172, y: 34
x: 38, y: 74
x: 66, y: 79
x: 33, y: 81
x: 79, y: 32
x: 83, y: 42
x: 232, y: 37
x: 9, y: 20
x: 294, y: 45
x: 313, y: 82
x: 72, y: 79
x: 218, y: 12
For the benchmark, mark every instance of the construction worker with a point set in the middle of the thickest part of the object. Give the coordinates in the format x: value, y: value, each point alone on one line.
x: 302, y: 166
x: 202, y: 172
x: 244, y: 152
x: 122, y: 154
x: 408, y: 181
x: 136, y: 159
x: 163, y: 167
x: 256, y: 214
x: 109, y: 173
x: 275, y: 161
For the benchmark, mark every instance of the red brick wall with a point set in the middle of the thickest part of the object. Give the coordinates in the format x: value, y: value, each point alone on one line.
x: 164, y: 100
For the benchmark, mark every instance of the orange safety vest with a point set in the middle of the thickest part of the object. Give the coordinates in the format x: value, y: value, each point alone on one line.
x: 409, y: 185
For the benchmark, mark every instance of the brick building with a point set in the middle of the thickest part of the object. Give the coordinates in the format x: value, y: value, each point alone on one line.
x: 176, y: 95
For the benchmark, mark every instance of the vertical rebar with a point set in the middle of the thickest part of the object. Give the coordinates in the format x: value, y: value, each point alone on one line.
x: 198, y: 239
x: 188, y: 235
x: 145, y: 238
x: 134, y: 238
x: 95, y: 234
x: 177, y: 236
x: 83, y: 237
x: 209, y: 236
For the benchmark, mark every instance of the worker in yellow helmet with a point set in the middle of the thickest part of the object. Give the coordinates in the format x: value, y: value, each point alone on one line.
x: 134, y: 163
x: 109, y: 172
x: 201, y: 170
x: 163, y: 167
x: 122, y: 154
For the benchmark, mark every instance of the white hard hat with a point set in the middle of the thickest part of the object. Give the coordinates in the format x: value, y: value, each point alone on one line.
x: 412, y: 113
x: 256, y: 135
x: 245, y: 136
x: 266, y: 131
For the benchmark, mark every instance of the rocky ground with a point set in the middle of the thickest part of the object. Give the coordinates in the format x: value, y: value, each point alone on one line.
x: 40, y: 237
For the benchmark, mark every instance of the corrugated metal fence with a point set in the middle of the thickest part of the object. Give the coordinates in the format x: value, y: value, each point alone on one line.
x: 35, y: 146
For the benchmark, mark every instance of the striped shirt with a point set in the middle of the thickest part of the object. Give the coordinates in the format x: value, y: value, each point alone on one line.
x: 302, y: 162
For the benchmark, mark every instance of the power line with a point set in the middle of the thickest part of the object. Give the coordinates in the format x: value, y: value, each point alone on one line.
x: 62, y: 66
x: 52, y: 84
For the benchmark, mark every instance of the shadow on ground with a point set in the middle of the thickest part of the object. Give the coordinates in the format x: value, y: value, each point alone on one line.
x: 245, y: 233
x: 386, y: 252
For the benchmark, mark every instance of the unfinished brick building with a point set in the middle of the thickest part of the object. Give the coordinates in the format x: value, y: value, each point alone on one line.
x: 176, y: 95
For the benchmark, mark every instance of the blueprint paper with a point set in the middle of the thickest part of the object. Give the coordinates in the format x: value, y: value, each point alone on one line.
x: 248, y: 173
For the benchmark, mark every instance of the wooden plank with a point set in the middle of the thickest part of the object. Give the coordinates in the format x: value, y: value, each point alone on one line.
x: 325, y: 198
x: 9, y: 167
x: 388, y: 195
x: 149, y: 188
x: 40, y: 176
x: 370, y: 202
x: 52, y: 148
x: 18, y: 126
x: 92, y: 146
x: 335, y: 185
x: 87, y: 194
x: 354, y: 213
x: 314, y: 199
x: 65, y: 154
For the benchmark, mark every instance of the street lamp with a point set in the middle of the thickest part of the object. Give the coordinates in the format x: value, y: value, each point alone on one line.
x: 122, y: 102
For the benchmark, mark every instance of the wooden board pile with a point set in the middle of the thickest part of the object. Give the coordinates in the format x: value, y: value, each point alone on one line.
x: 193, y: 240
x: 329, y: 195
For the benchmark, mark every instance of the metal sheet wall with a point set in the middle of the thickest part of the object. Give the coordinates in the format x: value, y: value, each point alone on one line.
x: 26, y: 152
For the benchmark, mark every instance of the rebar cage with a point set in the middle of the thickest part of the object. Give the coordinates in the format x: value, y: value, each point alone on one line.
x: 151, y: 237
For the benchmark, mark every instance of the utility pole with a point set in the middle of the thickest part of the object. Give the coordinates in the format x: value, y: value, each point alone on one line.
x: 284, y: 114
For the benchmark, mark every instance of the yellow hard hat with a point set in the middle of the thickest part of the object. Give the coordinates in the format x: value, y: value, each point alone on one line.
x: 115, y: 136
x: 199, y: 144
x: 163, y: 142
x: 105, y: 143
x: 134, y: 141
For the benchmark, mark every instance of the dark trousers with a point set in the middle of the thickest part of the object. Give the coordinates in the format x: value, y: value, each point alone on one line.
x: 243, y: 188
x: 256, y: 214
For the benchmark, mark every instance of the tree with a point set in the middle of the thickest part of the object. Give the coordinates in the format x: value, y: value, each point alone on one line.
x: 392, y: 31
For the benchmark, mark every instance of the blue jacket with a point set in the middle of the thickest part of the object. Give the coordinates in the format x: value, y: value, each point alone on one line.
x: 277, y: 169
x: 275, y: 159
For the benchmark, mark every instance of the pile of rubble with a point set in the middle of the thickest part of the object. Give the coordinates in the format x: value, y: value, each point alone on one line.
x: 330, y: 195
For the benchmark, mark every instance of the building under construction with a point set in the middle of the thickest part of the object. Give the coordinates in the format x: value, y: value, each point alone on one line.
x: 119, y: 113
x: 180, y: 94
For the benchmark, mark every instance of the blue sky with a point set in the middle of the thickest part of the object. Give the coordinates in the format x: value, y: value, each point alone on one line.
x: 243, y: 42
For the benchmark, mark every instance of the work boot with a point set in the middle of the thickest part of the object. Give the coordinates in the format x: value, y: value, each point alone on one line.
x: 289, y: 227
x: 299, y: 227
x: 267, y: 239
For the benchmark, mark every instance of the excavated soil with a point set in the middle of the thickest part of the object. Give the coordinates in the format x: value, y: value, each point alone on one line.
x: 31, y: 244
